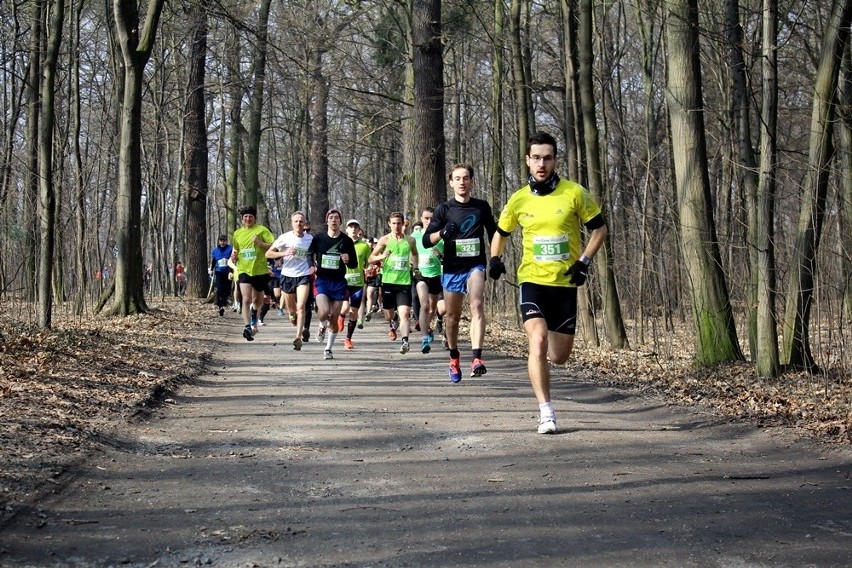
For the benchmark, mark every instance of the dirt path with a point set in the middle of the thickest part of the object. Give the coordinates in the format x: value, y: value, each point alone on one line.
x: 374, y: 459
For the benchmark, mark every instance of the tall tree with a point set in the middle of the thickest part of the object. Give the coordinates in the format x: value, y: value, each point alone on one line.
x: 318, y: 199
x: 430, y: 168
x: 47, y: 193
x: 716, y: 339
x: 616, y: 332
x: 33, y: 116
x: 767, y: 360
x: 845, y: 199
x: 520, y: 85
x: 497, y: 169
x: 251, y: 144
x: 800, y: 291
x: 135, y: 42
x: 757, y: 188
x: 195, y: 153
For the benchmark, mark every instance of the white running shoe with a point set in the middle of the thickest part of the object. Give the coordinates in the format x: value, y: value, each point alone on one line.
x: 328, y: 355
x: 405, y: 347
x: 547, y: 425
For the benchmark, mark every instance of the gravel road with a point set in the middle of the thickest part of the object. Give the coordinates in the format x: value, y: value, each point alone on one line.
x: 374, y: 459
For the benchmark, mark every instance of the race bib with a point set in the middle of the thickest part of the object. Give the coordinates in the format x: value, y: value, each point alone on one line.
x: 248, y: 254
x: 397, y: 263
x: 222, y: 262
x: 550, y: 248
x: 467, y: 247
x: 354, y: 279
x: 330, y: 261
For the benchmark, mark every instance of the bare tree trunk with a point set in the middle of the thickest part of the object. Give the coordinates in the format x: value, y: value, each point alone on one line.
x: 409, y: 157
x: 252, y: 142
x: 616, y: 332
x: 430, y: 169
x: 79, y: 178
x: 232, y: 177
x: 845, y: 189
x: 575, y: 154
x: 765, y: 356
x: 800, y: 291
x: 33, y: 115
x: 195, y: 154
x: 47, y: 195
x: 767, y: 359
x: 318, y: 198
x: 714, y: 322
x: 520, y: 87
x: 136, y: 45
x: 646, y: 16
x: 498, y: 174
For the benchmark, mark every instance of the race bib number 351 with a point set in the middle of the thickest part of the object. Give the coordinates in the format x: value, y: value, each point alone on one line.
x: 550, y: 248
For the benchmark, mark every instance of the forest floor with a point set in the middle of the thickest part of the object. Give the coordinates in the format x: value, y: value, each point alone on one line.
x: 61, y: 391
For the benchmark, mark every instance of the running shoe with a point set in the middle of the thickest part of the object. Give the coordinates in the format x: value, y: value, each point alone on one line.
x: 455, y: 370
x: 425, y: 345
x: 297, y: 344
x: 247, y: 333
x: 328, y: 355
x: 445, y: 343
x: 235, y: 307
x: 404, y: 348
x: 547, y: 425
x: 306, y: 336
x: 360, y: 324
x: 253, y: 318
x: 221, y: 311
x: 439, y: 326
x: 369, y: 316
x: 260, y: 323
x: 392, y: 334
x: 431, y: 336
x: 417, y: 326
x: 321, y: 334
x: 281, y: 312
x: 477, y: 368
x: 347, y: 344
x: 292, y: 318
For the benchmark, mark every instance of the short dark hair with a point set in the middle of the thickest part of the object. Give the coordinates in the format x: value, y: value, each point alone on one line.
x: 460, y: 166
x: 248, y: 210
x: 541, y: 138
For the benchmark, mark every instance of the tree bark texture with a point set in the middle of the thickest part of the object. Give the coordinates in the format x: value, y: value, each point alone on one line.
x: 47, y: 194
x: 135, y: 45
x: 767, y: 359
x: 430, y: 168
x: 616, y: 333
x: 715, y: 332
x: 195, y: 153
x: 800, y: 290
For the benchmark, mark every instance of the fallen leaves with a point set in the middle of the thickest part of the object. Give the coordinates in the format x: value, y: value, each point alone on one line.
x: 61, y: 390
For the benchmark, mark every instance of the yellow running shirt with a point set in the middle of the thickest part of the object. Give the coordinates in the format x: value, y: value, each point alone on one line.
x: 551, y: 230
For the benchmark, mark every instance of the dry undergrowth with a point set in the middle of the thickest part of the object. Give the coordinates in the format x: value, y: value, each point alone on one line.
x: 61, y: 392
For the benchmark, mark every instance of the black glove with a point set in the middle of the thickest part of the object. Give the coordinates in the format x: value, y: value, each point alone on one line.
x: 577, y: 273
x: 450, y: 231
x: 496, y: 267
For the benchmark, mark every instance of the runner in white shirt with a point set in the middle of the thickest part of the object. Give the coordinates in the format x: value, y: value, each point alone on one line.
x: 296, y: 269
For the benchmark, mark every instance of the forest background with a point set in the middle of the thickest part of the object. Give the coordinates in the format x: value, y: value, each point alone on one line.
x: 716, y: 135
